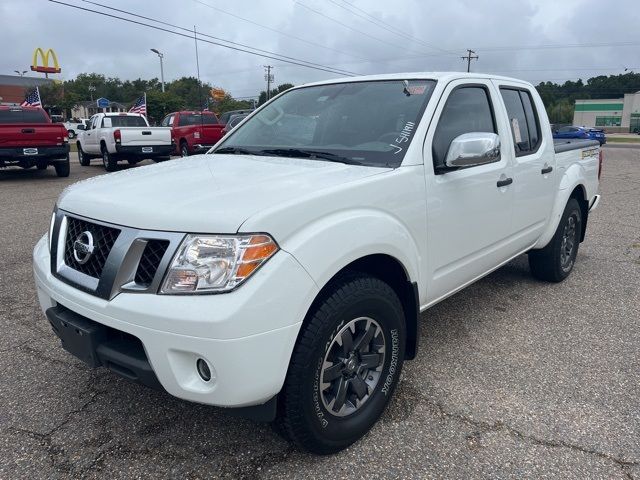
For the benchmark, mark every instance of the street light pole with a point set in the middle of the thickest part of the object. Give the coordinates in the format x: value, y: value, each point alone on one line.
x: 161, y: 56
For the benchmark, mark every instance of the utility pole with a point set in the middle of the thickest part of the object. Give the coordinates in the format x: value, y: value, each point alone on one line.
x: 195, y: 39
x: 269, y: 78
x: 468, y: 57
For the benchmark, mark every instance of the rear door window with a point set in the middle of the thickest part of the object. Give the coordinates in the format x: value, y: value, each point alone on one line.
x: 523, y: 119
x: 197, y: 119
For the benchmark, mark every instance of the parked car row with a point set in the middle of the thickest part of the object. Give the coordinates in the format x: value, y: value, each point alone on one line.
x: 29, y: 137
x: 584, y: 133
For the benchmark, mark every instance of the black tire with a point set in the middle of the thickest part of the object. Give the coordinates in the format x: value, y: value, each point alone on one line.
x: 307, y: 412
x: 184, y: 149
x: 71, y: 134
x: 41, y: 166
x: 83, y: 158
x: 110, y: 163
x: 555, y: 262
x: 63, y: 168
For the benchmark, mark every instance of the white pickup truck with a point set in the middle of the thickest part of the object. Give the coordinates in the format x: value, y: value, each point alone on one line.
x: 122, y: 136
x: 284, y: 272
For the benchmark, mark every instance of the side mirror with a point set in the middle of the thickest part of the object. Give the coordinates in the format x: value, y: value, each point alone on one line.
x: 471, y: 149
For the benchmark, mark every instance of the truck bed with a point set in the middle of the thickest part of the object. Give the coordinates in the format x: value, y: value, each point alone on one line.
x: 567, y: 144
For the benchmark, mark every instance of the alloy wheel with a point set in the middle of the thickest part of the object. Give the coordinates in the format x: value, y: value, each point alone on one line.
x: 352, y: 366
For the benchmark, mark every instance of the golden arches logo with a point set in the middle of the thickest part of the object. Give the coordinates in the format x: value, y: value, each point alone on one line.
x: 45, y: 68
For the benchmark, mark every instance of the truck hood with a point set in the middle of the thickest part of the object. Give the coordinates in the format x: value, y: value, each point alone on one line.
x: 203, y: 193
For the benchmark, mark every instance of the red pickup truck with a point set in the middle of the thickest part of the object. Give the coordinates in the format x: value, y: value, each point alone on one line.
x: 28, y: 139
x: 194, y: 132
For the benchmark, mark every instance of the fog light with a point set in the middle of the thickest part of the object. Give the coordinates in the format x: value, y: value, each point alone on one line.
x: 203, y: 369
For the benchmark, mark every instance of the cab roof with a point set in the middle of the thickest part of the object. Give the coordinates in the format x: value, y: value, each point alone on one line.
x: 439, y: 76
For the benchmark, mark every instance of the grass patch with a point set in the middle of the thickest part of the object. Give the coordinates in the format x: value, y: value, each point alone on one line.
x: 623, y: 139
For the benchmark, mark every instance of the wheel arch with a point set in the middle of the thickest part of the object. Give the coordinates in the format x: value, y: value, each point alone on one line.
x: 580, y: 194
x: 391, y: 271
x: 569, y: 188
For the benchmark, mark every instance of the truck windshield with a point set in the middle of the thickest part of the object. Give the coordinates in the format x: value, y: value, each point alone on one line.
x: 127, y: 121
x: 22, y: 116
x: 364, y: 123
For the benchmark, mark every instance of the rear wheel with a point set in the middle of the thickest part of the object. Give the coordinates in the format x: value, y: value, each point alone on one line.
x: 345, y: 366
x: 63, y: 168
x: 110, y: 163
x: 71, y: 134
x: 555, y: 262
x: 184, y: 149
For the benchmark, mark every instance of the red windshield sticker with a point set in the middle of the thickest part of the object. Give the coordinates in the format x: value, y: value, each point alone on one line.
x: 416, y: 89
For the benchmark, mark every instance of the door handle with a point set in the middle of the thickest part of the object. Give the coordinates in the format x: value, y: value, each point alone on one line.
x: 546, y: 170
x: 505, y: 182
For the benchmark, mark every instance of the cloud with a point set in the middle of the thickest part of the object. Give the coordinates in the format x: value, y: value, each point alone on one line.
x: 90, y: 43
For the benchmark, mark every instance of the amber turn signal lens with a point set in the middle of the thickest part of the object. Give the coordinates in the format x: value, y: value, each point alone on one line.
x: 260, y: 248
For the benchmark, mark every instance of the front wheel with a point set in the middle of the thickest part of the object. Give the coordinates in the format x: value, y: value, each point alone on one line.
x: 110, y: 163
x: 345, y: 366
x: 82, y: 157
x: 555, y: 262
x: 63, y: 168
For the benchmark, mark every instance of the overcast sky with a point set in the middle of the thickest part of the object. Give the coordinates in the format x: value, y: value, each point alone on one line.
x: 416, y: 35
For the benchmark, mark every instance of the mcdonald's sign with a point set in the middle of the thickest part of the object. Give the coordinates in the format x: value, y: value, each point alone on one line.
x: 45, y: 68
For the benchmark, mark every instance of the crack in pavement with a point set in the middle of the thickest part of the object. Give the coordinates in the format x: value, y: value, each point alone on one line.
x: 499, y: 426
x: 46, y: 440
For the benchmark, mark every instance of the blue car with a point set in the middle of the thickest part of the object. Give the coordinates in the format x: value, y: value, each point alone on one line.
x: 580, y: 132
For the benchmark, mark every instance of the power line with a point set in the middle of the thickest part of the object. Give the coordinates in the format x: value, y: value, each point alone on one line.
x: 384, y: 25
x: 274, y: 30
x: 348, y: 26
x: 306, y: 64
x: 107, y: 7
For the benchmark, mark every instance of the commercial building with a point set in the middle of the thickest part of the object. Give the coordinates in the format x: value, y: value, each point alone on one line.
x: 89, y: 108
x: 14, y: 87
x: 620, y: 115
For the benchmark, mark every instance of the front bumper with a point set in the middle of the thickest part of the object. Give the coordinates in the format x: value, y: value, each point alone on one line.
x: 246, y: 336
x: 139, y: 150
x: 17, y: 157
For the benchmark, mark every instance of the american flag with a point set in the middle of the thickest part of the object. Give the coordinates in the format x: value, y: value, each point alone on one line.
x: 32, y: 99
x: 140, y: 106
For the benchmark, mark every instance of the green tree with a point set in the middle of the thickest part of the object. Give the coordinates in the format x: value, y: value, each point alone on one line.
x: 276, y: 91
x: 188, y: 89
x: 160, y: 104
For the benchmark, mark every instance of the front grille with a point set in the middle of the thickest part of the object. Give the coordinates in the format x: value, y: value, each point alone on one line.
x: 150, y: 260
x: 103, y: 239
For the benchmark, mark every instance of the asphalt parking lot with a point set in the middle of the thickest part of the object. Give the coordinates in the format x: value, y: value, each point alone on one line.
x: 515, y: 378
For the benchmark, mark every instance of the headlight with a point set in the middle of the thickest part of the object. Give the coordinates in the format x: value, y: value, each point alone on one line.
x: 216, y: 263
x: 50, y: 237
